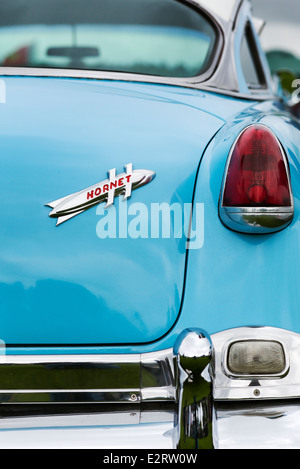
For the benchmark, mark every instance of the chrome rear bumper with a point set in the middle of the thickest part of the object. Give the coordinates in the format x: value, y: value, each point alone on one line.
x: 194, y: 378
x: 148, y: 377
x: 256, y: 425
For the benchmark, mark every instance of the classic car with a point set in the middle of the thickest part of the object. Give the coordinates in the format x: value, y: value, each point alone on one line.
x: 149, y: 248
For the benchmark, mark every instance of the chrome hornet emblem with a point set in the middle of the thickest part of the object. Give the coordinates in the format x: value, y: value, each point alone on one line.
x: 105, y: 191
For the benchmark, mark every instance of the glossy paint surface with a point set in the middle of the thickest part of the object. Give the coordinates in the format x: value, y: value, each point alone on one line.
x: 64, y: 285
x: 254, y: 279
x: 241, y: 279
x: 63, y: 288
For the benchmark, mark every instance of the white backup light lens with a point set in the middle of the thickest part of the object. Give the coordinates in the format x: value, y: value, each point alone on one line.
x: 256, y: 357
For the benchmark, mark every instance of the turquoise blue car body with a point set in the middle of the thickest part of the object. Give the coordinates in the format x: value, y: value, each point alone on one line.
x: 65, y: 289
x: 149, y: 241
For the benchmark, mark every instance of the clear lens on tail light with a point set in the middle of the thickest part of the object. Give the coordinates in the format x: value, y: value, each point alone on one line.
x: 256, y: 357
x: 256, y: 195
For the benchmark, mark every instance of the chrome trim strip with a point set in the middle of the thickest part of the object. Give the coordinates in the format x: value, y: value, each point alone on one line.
x: 260, y: 222
x: 127, y: 77
x: 93, y: 417
x: 129, y: 378
x: 258, y: 210
x: 61, y: 359
x: 88, y: 428
x: 99, y: 75
x: 74, y: 397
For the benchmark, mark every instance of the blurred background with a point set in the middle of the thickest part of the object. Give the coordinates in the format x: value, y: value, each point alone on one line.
x: 281, y: 35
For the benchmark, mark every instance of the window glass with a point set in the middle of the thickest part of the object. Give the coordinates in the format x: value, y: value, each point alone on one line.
x: 156, y: 37
x: 250, y: 60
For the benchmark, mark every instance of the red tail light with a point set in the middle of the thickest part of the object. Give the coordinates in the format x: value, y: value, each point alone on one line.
x: 257, y: 182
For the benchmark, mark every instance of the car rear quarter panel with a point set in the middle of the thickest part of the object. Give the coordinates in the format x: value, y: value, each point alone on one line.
x: 240, y: 279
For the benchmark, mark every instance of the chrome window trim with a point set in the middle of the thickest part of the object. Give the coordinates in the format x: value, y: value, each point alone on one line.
x: 252, y: 220
x: 131, y: 78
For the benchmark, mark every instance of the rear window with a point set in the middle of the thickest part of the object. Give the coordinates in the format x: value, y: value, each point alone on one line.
x: 154, y: 37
